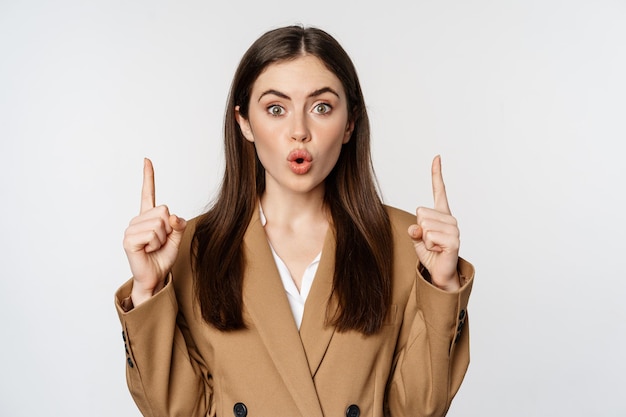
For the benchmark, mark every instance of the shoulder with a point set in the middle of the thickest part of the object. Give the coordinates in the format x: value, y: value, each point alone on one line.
x: 183, y: 261
x: 190, y: 230
x: 399, y: 219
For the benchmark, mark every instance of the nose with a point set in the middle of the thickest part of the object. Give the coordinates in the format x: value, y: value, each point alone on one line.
x: 299, y: 129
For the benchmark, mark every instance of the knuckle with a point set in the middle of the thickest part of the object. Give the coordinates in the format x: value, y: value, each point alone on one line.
x: 149, y: 247
x: 154, y: 224
x: 128, y: 236
x: 163, y: 210
x: 159, y: 223
x: 134, y: 220
x: 426, y: 225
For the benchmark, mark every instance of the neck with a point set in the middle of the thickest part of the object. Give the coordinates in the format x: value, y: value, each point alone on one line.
x: 292, y: 209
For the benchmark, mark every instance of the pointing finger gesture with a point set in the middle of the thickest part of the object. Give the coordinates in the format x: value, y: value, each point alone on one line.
x: 151, y: 241
x: 435, y: 235
x: 147, y: 188
x: 439, y: 188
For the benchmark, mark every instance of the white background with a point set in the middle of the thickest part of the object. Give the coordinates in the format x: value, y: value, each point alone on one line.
x: 525, y: 100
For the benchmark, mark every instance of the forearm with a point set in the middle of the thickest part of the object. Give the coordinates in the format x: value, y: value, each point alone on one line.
x: 433, y: 352
x: 162, y: 377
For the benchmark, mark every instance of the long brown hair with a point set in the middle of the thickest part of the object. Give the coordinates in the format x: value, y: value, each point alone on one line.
x: 363, y: 257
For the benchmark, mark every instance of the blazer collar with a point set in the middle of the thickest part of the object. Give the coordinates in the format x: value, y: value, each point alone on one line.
x: 315, y: 332
x: 297, y: 356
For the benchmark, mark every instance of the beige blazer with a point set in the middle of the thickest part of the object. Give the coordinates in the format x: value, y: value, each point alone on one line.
x: 177, y: 365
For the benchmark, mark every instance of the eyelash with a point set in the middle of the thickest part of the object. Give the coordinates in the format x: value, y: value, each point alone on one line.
x: 329, y: 108
x: 270, y: 109
x: 275, y: 106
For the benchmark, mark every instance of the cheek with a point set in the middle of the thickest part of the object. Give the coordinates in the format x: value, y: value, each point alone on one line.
x: 332, y: 152
x: 340, y: 136
x: 269, y: 154
x: 334, y: 139
x: 334, y: 131
x: 264, y: 150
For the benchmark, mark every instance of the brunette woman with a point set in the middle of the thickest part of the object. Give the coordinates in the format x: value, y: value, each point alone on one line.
x: 298, y: 293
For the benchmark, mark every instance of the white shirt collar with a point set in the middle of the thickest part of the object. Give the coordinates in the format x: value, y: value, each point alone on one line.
x: 296, y: 299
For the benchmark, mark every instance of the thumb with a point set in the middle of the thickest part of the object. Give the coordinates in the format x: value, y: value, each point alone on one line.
x: 178, y: 227
x: 415, y: 232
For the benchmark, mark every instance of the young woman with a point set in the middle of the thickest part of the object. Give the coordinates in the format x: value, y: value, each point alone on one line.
x: 298, y: 293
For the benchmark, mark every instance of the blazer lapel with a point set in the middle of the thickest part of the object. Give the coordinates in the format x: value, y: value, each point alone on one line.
x: 266, y: 301
x: 315, y: 333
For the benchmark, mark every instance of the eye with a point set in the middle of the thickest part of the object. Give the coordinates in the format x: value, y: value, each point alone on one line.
x: 322, y: 108
x: 276, y: 110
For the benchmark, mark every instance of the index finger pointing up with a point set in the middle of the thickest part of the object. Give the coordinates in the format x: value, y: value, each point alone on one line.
x: 147, y: 190
x: 439, y: 188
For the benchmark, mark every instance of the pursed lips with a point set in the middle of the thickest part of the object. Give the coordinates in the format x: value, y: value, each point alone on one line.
x: 299, y: 161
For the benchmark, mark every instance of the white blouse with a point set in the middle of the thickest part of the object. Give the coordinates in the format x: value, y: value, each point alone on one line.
x: 296, y: 299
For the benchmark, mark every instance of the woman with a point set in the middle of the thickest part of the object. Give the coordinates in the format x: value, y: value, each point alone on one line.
x: 298, y: 293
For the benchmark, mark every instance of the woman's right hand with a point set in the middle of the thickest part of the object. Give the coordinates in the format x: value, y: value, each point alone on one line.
x: 151, y: 242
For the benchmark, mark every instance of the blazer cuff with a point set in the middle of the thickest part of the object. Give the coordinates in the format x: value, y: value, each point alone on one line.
x: 444, y: 311
x: 124, y: 302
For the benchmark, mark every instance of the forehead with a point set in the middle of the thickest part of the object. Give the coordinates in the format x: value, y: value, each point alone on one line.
x: 301, y: 75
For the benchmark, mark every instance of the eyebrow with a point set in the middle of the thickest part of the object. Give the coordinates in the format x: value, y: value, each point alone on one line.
x: 286, y: 97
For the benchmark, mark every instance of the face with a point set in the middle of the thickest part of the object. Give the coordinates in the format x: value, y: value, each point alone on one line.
x: 298, y: 121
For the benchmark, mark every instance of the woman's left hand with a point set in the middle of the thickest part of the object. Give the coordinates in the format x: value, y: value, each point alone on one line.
x: 436, y: 236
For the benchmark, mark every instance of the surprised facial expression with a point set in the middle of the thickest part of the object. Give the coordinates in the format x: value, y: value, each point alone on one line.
x: 298, y: 121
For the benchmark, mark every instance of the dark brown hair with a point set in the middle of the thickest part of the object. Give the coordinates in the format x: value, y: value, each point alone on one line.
x: 363, y: 258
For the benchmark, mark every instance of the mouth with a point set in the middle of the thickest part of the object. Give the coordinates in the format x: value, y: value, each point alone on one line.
x: 299, y: 161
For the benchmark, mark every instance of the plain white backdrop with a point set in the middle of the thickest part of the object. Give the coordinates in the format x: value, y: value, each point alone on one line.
x: 524, y: 99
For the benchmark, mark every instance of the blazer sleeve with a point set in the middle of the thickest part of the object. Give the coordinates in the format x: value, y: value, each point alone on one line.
x: 164, y: 372
x: 432, y: 353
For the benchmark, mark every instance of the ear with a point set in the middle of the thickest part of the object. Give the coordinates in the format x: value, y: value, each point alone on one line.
x: 348, y: 133
x: 244, y: 125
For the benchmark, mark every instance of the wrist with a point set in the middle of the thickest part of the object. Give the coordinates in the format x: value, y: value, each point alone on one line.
x: 139, y: 294
x: 449, y: 284
x: 139, y: 297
